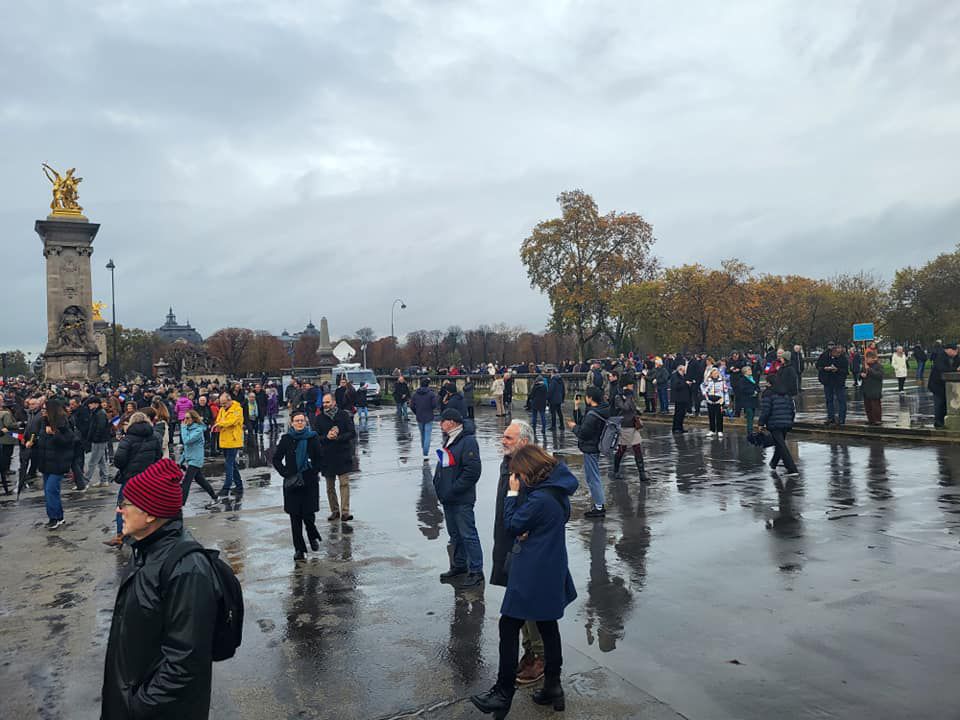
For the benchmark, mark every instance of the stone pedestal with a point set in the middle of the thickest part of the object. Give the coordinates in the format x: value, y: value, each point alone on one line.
x: 71, y: 352
x: 952, y: 382
x: 100, y: 329
x: 325, y: 356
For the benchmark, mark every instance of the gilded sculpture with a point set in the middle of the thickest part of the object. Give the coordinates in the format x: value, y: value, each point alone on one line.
x: 64, y: 192
x: 98, y: 310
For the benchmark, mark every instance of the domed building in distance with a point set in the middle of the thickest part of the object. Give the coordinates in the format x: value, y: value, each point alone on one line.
x: 170, y: 331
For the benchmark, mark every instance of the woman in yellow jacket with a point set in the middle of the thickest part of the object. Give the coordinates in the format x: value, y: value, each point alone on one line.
x: 229, y: 423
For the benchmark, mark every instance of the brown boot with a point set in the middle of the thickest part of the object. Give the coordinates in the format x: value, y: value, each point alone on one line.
x: 116, y: 541
x: 531, y: 672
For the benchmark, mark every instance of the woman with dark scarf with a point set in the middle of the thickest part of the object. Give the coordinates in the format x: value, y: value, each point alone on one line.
x: 298, y: 452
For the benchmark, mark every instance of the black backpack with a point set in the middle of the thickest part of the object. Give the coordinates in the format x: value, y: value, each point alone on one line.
x: 228, y: 630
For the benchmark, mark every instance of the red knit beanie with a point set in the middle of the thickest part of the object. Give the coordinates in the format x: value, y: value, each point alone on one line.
x: 157, y: 489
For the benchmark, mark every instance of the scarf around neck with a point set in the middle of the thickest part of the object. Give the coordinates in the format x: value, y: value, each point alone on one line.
x: 301, y: 437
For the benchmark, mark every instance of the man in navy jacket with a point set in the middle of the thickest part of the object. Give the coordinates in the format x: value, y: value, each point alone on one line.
x: 455, y: 481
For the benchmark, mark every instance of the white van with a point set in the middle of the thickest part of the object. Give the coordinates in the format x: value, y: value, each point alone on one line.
x: 356, y: 375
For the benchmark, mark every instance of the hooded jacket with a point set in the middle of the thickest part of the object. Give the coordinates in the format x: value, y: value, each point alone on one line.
x: 556, y: 390
x: 54, y: 453
x: 159, y: 655
x: 181, y: 406
x: 458, y: 470
x: 138, y: 450
x: 192, y: 437
x: 540, y: 586
x: 588, y: 432
x: 424, y: 404
x: 230, y: 422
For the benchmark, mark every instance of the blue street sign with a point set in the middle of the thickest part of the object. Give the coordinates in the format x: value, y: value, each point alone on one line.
x: 862, y: 332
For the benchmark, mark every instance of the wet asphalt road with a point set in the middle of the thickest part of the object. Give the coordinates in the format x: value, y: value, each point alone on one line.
x: 718, y: 591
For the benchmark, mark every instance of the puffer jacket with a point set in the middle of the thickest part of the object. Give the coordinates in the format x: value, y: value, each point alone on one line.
x: 777, y: 410
x: 192, y: 438
x: 138, y: 450
x: 140, y: 679
x: 458, y: 469
x: 99, y: 430
x: 589, y: 431
x: 8, y: 424
x: 182, y: 405
x: 54, y: 453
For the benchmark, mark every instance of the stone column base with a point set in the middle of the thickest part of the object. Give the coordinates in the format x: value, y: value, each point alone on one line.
x: 71, y: 366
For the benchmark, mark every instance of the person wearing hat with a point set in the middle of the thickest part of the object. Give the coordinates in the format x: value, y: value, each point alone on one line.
x: 159, y: 659
x: 945, y: 361
x: 98, y: 435
x: 455, y: 481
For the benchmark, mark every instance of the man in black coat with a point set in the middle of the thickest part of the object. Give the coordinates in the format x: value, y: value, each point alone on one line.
x: 556, y: 392
x: 507, y: 393
x: 98, y: 435
x: 159, y: 660
x: 337, y: 432
x: 515, y: 436
x: 945, y: 361
x: 680, y: 391
x: 401, y: 394
x: 832, y: 370
x: 695, y: 369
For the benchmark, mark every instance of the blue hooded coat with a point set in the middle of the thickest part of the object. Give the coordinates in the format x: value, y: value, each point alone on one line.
x: 539, y: 586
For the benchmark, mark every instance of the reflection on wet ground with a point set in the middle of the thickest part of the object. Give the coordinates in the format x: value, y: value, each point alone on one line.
x: 912, y: 408
x: 836, y: 587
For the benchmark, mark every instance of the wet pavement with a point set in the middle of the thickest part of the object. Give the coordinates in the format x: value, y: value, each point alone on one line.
x: 718, y: 591
x: 911, y: 409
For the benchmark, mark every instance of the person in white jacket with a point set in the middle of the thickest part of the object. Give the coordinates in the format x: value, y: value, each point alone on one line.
x: 717, y: 394
x: 899, y: 362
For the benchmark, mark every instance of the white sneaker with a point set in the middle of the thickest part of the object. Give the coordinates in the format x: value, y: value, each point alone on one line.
x: 710, y: 434
x: 719, y: 434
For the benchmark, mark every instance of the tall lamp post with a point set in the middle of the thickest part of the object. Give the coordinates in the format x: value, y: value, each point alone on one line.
x: 113, y: 309
x: 393, y: 309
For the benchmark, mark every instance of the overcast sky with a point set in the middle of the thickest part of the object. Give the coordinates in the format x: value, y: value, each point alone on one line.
x: 253, y: 163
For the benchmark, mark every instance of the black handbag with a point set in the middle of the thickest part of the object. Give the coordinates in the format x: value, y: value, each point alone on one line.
x: 293, y: 482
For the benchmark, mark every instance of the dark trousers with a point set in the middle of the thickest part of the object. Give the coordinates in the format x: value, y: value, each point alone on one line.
x: 195, y: 474
x: 679, y: 410
x: 6, y: 456
x: 510, y: 649
x: 28, y: 463
x: 296, y: 528
x: 715, y: 412
x: 696, y: 401
x: 77, y: 469
x: 556, y: 413
x: 470, y: 411
x: 900, y: 383
x: 939, y: 409
x: 836, y: 396
x: 543, y: 419
x: 781, y: 451
x: 649, y: 404
x: 872, y: 408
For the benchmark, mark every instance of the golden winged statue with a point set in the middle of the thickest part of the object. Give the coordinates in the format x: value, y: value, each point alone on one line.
x: 98, y: 310
x: 64, y: 192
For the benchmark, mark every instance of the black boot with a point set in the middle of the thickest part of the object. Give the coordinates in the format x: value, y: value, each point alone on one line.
x: 494, y: 701
x: 617, y: 458
x: 551, y: 694
x: 638, y: 456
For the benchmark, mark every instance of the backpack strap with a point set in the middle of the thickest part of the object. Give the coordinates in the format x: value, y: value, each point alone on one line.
x: 180, y: 551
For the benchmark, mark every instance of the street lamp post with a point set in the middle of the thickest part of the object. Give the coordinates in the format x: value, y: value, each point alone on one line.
x: 393, y: 308
x: 113, y: 309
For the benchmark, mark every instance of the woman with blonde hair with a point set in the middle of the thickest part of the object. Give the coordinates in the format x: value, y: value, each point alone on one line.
x: 539, y: 585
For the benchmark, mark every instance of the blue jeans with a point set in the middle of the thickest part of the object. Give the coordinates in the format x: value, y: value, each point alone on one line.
x: 425, y: 430
x: 462, y: 530
x: 231, y: 472
x: 363, y: 414
x: 836, y: 402
x: 402, y: 410
x: 920, y: 367
x: 663, y: 399
x: 543, y: 419
x: 51, y: 496
x: 591, y: 468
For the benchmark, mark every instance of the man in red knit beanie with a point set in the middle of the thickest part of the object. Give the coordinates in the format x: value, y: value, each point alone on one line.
x: 159, y: 656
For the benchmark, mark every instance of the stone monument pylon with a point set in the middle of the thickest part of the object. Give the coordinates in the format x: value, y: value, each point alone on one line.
x: 67, y: 235
x: 325, y: 356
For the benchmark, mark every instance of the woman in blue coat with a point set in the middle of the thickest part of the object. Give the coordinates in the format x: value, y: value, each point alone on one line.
x: 539, y: 585
x: 192, y: 432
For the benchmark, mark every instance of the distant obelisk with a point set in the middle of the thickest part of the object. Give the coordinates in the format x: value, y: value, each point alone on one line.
x: 325, y: 356
x: 67, y: 235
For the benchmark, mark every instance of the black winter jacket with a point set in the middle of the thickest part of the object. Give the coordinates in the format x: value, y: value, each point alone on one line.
x: 942, y: 363
x: 679, y: 390
x: 776, y: 410
x: 833, y: 378
x: 336, y: 457
x: 54, y: 453
x: 139, y: 449
x: 537, y: 400
x: 457, y: 483
x: 401, y: 392
x: 556, y: 391
x: 159, y: 656
x: 99, y: 430
x: 502, y: 539
x: 588, y: 432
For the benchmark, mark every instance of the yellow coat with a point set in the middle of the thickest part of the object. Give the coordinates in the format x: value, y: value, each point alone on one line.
x: 230, y: 422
